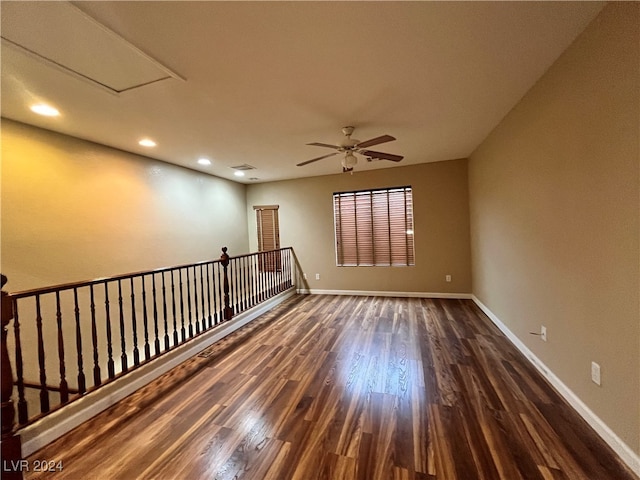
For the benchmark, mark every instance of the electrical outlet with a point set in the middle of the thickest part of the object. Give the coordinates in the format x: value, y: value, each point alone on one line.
x: 448, y: 278
x: 543, y: 333
x: 317, y: 276
x: 595, y: 373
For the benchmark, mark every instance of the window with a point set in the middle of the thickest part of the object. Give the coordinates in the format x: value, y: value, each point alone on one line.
x: 268, y: 236
x: 374, y: 227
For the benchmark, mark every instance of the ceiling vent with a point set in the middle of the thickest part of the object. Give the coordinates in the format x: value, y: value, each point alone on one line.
x: 243, y: 167
x: 64, y: 37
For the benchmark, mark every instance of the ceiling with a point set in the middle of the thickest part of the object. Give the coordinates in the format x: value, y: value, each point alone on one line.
x: 254, y: 82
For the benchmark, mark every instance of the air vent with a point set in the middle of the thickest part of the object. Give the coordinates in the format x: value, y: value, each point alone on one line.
x: 243, y: 167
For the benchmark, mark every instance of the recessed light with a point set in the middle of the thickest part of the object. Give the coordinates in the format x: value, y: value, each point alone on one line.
x: 239, y: 173
x: 46, y: 110
x: 147, y: 142
x: 204, y: 161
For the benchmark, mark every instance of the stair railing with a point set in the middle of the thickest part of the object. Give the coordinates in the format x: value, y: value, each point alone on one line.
x: 71, y: 339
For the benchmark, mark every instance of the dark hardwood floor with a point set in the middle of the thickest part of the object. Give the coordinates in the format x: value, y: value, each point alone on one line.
x: 328, y: 387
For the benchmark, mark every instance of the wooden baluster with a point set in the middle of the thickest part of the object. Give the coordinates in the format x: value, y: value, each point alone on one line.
x: 247, y: 279
x: 204, y: 316
x: 44, y: 392
x: 258, y: 278
x: 189, y: 304
x: 263, y: 279
x: 245, y: 286
x: 107, y: 310
x: 276, y: 272
x: 241, y: 280
x: 214, y: 292
x: 258, y: 273
x: 235, y: 289
x: 145, y: 320
x: 224, y: 261
x: 250, y: 277
x: 156, y: 339
x: 289, y: 268
x: 10, y: 444
x: 173, y: 308
x: 266, y: 278
x: 195, y: 302
x: 82, y: 385
x: 64, y: 387
x: 134, y: 325
x: 254, y: 279
x: 281, y: 270
x: 22, y: 402
x: 279, y: 282
x: 269, y: 275
x: 239, y: 289
x: 235, y: 292
x: 209, y: 297
x: 285, y: 269
x: 265, y: 275
x: 231, y: 271
x: 272, y: 277
x: 182, y: 330
x: 123, y: 357
x: 94, y: 341
x: 164, y: 313
x: 220, y: 294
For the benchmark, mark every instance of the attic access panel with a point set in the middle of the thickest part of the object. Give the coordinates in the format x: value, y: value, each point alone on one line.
x: 63, y: 36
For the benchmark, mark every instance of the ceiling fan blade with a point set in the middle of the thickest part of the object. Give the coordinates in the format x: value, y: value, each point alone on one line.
x: 316, y: 144
x: 381, y: 155
x: 315, y: 159
x: 375, y: 141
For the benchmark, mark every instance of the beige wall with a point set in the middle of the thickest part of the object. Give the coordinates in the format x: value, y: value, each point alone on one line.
x: 441, y: 227
x: 74, y: 210
x: 554, y: 195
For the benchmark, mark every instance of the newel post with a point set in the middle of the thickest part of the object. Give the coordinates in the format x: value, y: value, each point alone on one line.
x: 12, y: 464
x: 224, y: 260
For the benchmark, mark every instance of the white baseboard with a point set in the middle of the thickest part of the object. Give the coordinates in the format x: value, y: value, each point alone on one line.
x: 365, y: 293
x: 51, y: 427
x: 626, y: 454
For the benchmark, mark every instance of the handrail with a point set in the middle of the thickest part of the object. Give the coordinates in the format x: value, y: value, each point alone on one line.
x: 73, y: 338
x: 96, y: 281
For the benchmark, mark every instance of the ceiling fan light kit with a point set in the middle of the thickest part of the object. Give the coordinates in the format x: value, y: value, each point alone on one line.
x: 349, y: 146
x: 349, y: 161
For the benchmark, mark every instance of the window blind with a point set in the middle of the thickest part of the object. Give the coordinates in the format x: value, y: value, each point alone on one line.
x: 268, y: 228
x: 374, y: 227
x: 268, y: 237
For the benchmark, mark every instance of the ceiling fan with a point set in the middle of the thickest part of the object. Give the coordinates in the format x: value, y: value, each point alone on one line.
x: 349, y: 146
